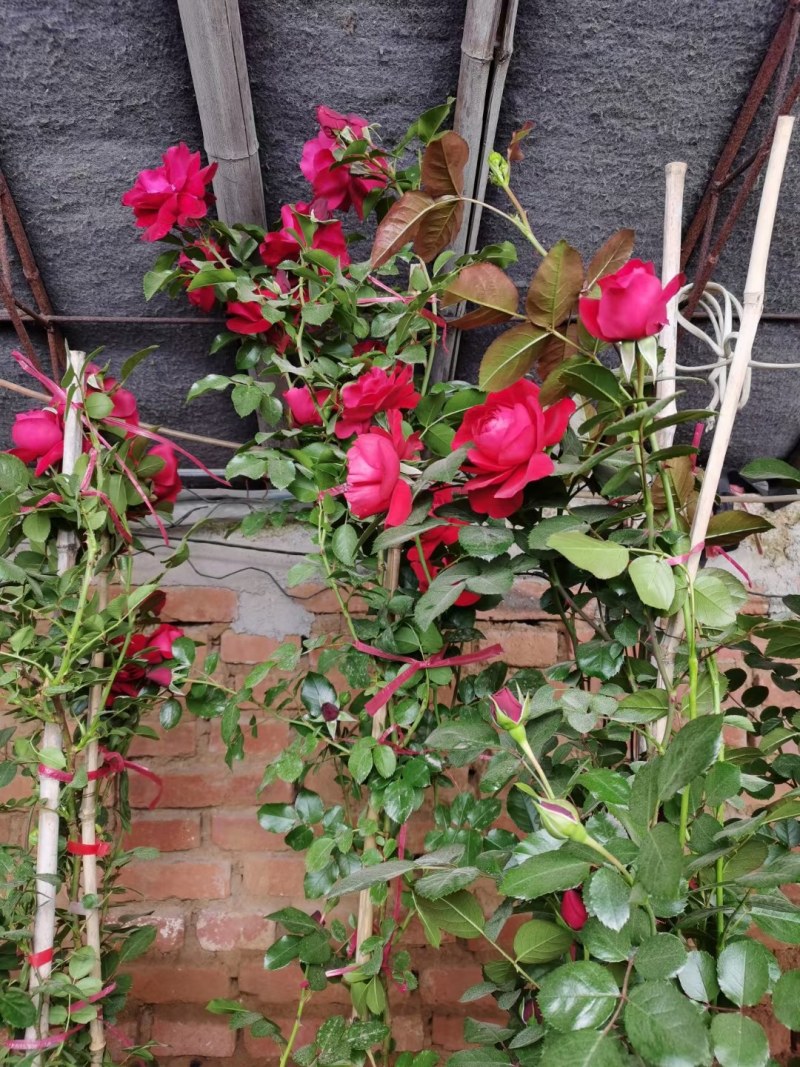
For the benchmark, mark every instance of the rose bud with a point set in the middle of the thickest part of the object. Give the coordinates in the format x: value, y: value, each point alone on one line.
x: 561, y: 819
x: 632, y: 304
x: 510, y: 714
x: 330, y: 713
x: 573, y: 910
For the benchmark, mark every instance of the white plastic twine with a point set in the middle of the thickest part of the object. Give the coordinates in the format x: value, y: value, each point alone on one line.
x: 724, y: 312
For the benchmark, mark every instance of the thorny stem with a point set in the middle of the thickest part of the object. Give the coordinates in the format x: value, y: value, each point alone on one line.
x: 517, y: 223
x: 332, y: 582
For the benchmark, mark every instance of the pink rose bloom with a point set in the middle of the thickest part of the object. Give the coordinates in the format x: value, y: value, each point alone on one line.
x: 204, y: 298
x: 245, y: 317
x: 38, y: 437
x: 631, y: 305
x: 347, y: 185
x: 173, y: 194
x: 125, y: 408
x: 165, y: 483
x: 303, y: 409
x: 508, y: 434
x: 373, y: 483
x: 573, y: 910
x: 375, y: 390
x: 287, y: 242
x: 505, y: 702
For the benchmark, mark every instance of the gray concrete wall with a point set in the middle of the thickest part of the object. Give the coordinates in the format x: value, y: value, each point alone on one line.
x: 93, y: 91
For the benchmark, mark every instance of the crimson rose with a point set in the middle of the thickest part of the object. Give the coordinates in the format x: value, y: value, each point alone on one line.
x: 174, y: 193
x: 631, y: 305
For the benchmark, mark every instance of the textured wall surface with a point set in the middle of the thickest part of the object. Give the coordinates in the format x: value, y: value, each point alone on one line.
x: 92, y: 91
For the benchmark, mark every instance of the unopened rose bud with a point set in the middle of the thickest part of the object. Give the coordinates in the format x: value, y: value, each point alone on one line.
x: 330, y: 713
x: 573, y: 910
x: 508, y: 711
x: 499, y: 169
x: 561, y: 819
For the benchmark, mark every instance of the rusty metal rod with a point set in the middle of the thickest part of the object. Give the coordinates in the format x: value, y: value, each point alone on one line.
x: 139, y: 320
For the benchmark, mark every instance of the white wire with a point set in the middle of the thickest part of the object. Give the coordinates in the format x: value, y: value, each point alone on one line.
x: 722, y: 340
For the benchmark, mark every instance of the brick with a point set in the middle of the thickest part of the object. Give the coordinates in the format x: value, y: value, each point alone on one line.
x: 181, y: 740
x: 194, y: 1033
x: 170, y: 930
x: 167, y: 833
x: 272, y: 738
x: 283, y: 987
x: 208, y: 786
x: 522, y: 603
x: 274, y: 876
x: 525, y: 646
x: 162, y: 879
x: 223, y: 931
x: 250, y: 648
x: 320, y: 600
x: 200, y: 604
x: 239, y: 831
x: 408, y: 1032
x: 447, y: 1033
x: 170, y: 983
x: 443, y: 983
x: 262, y: 1048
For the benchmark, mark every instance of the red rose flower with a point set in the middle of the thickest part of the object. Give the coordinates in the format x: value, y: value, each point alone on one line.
x: 376, y: 390
x: 631, y: 305
x: 204, y: 298
x: 508, y: 434
x: 165, y: 483
x: 286, y: 243
x: 573, y: 910
x: 432, y: 541
x: 144, y: 659
x: 38, y: 436
x: 346, y: 185
x: 125, y: 408
x: 373, y: 483
x: 304, y: 410
x: 244, y: 316
x: 174, y: 193
x: 365, y: 348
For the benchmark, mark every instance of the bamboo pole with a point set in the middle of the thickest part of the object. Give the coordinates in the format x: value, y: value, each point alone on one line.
x: 753, y: 304
x: 49, y: 788
x: 366, y: 909
x: 212, y: 30
x: 675, y: 174
x: 88, y: 837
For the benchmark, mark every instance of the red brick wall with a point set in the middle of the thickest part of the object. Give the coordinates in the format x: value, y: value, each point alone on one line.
x: 219, y: 873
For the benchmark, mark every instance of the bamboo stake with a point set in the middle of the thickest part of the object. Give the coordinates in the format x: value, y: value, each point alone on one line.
x: 753, y: 304
x: 675, y: 174
x: 366, y: 909
x: 49, y: 788
x: 88, y: 837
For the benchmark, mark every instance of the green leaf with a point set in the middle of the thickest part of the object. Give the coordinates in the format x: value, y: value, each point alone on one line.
x: 729, y: 528
x: 608, y: 898
x: 316, y: 314
x: 660, y: 861
x: 691, y: 751
x: 385, y: 760
x: 215, y: 276
x: 443, y: 883
x: 578, y: 996
x: 485, y: 542
x: 549, y: 872
x: 743, y: 972
x: 608, y: 786
x: 459, y: 914
x: 14, y: 475
x: 584, y: 1048
x: 17, y: 1009
x: 538, y: 941
x: 643, y: 706
x: 555, y: 286
x: 495, y: 579
x: 369, y: 876
x: 479, y: 1057
x: 81, y: 962
x: 739, y: 1041
x: 592, y: 380
x: 315, y: 691
x: 654, y: 581
x: 282, y: 953
x: 786, y: 999
x: 215, y: 382
x: 295, y: 921
x: 714, y: 605
x: 660, y: 956
x: 360, y: 761
x: 137, y: 943
x: 777, y: 917
x: 277, y: 818
x: 344, y: 543
x: 599, y: 659
x: 610, y: 946
x: 170, y: 714
x: 98, y: 406
x: 698, y: 977
x: 758, y: 470
x: 398, y: 535
x: 665, y: 1029
x: 510, y: 356
x: 541, y: 532
x: 603, y: 559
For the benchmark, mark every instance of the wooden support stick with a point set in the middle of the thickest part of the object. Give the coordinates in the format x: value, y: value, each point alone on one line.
x: 44, y: 925
x: 88, y: 821
x: 366, y: 910
x: 670, y: 265
x: 212, y: 30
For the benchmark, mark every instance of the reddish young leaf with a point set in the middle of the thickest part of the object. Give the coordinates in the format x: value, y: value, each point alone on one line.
x: 438, y: 227
x: 510, y: 356
x: 400, y: 225
x: 614, y: 254
x: 443, y: 165
x: 514, y: 152
x: 555, y: 287
x: 555, y: 350
x: 490, y: 287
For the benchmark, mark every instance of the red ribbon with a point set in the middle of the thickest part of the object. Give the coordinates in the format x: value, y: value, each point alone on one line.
x: 384, y: 695
x: 113, y: 763
x: 40, y: 959
x: 36, y: 1044
x: 80, y: 848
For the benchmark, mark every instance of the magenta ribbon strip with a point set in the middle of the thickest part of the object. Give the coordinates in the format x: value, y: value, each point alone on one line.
x: 385, y: 694
x: 113, y: 763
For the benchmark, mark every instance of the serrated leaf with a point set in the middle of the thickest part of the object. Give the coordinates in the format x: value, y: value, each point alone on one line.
x: 443, y: 163
x: 400, y: 225
x: 443, y: 883
x: 698, y: 977
x: 510, y: 356
x: 660, y: 956
x: 555, y: 286
x: 538, y: 941
x: 786, y: 999
x: 743, y: 972
x: 488, y: 286
x: 584, y: 1048
x: 550, y: 872
x: 485, y: 542
x: 739, y: 1041
x: 654, y: 581
x: 603, y: 559
x: 665, y: 1029
x: 577, y: 996
x: 612, y: 255
x: 691, y: 751
x: 729, y: 528
x: 608, y: 898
